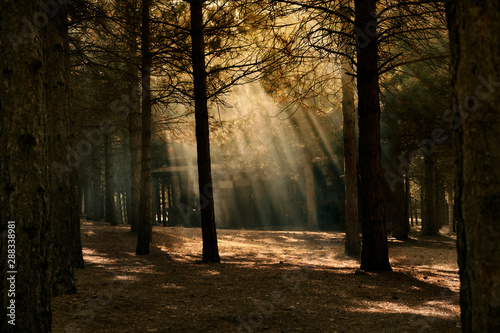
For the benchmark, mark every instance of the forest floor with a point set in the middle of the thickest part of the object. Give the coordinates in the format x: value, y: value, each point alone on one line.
x: 268, y: 281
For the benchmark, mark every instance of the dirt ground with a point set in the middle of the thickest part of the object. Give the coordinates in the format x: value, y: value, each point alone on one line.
x: 268, y: 281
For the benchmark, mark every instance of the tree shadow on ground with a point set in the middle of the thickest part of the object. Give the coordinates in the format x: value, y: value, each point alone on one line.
x: 121, y: 292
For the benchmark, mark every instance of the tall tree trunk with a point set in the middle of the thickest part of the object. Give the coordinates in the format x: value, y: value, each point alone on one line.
x: 209, y: 233
x: 475, y: 49
x: 135, y: 166
x: 407, y: 203
x: 127, y: 184
x: 399, y: 220
x: 352, y: 239
x: 134, y: 118
x: 110, y: 208
x: 441, y: 211
x: 312, y: 212
x: 429, y: 226
x: 412, y: 211
x: 144, y: 235
x: 374, y: 252
x: 63, y: 206
x: 451, y: 224
x: 23, y: 173
x: 422, y: 202
x: 415, y: 211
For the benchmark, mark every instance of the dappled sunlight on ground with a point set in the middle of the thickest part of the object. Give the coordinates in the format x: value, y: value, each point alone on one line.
x: 262, y: 247
x: 272, y: 281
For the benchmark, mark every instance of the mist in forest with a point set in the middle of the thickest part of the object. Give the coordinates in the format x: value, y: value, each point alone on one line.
x: 259, y: 152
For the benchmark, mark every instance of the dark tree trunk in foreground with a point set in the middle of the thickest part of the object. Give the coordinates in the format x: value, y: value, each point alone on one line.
x: 352, y: 239
x: 475, y: 46
x: 209, y: 233
x: 63, y: 205
x: 144, y: 229
x: 374, y: 252
x: 23, y: 172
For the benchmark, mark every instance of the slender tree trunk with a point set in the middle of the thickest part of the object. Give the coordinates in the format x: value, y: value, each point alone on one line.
x: 157, y: 202
x: 441, y: 206
x: 134, y: 118
x: 110, y: 208
x: 422, y: 203
x: 312, y: 215
x: 451, y: 224
x: 23, y: 173
x: 407, y: 203
x: 374, y: 252
x: 209, y: 233
x: 352, y: 239
x: 475, y: 49
x: 429, y: 223
x: 145, y: 227
x: 399, y: 219
x: 77, y: 250
x: 135, y: 166
x: 415, y: 211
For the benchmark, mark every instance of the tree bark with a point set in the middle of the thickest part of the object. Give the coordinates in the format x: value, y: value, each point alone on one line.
x: 475, y: 49
x: 374, y: 252
x: 24, y: 171
x: 134, y: 118
x: 144, y: 235
x: 209, y: 233
x: 352, y: 239
x: 63, y: 203
x: 135, y: 166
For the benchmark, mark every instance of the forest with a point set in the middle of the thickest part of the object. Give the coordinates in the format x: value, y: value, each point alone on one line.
x: 250, y: 166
